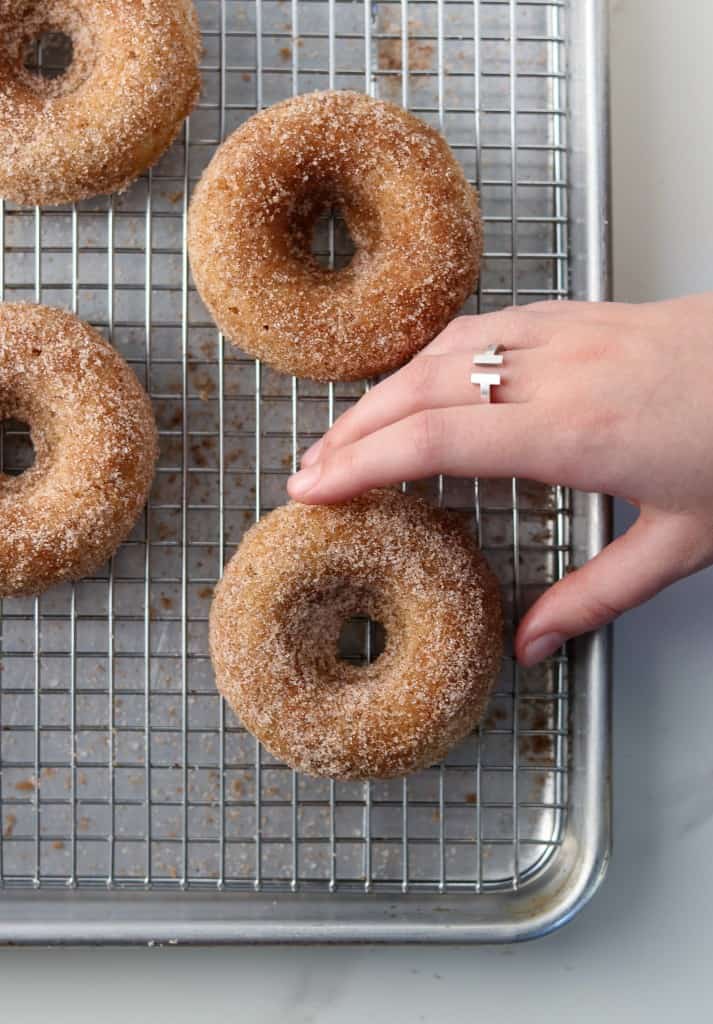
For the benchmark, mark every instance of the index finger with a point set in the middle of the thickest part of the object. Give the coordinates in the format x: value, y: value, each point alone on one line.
x: 481, y: 440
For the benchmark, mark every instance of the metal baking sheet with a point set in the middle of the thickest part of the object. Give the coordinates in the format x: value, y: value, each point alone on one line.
x: 133, y: 805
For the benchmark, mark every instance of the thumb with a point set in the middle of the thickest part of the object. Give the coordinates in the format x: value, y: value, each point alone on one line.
x: 654, y: 552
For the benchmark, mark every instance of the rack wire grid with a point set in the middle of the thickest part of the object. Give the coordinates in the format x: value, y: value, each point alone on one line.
x: 120, y: 765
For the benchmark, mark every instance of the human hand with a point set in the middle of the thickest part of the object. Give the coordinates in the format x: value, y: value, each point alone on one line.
x: 597, y: 396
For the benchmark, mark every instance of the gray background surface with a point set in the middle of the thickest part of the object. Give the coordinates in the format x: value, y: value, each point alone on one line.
x: 642, y: 948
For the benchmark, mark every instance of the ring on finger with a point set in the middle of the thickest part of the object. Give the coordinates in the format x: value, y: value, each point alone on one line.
x: 492, y: 356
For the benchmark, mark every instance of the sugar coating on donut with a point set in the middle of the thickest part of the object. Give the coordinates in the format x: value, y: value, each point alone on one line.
x: 133, y: 79
x: 410, y: 211
x: 95, y: 445
x: 276, y: 617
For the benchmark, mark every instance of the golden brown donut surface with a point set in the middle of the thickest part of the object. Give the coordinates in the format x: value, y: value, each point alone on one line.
x: 133, y: 78
x: 95, y: 444
x: 275, y: 623
x: 410, y: 211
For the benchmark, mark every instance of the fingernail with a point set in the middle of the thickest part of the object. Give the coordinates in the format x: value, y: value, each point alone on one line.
x: 303, y: 482
x: 312, y: 454
x: 540, y: 648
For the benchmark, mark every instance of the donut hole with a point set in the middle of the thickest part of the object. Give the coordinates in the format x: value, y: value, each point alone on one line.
x: 17, y: 453
x: 332, y: 245
x: 50, y: 55
x: 361, y: 641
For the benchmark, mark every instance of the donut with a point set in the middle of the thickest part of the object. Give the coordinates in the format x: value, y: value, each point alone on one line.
x: 132, y: 80
x: 95, y: 444
x: 299, y: 574
x: 410, y: 211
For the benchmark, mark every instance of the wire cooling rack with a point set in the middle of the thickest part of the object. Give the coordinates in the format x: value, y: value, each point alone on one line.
x: 120, y: 765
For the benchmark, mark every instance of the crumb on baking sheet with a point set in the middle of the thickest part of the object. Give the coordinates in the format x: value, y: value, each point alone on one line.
x: 26, y: 785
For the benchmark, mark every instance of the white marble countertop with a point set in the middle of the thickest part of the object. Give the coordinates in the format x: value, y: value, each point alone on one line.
x: 641, y: 950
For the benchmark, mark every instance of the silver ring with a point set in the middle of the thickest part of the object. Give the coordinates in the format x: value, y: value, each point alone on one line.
x: 490, y: 357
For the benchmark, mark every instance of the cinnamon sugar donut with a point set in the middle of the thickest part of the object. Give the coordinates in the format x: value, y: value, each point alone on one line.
x: 410, y: 211
x: 276, y: 617
x: 133, y: 78
x: 95, y: 447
